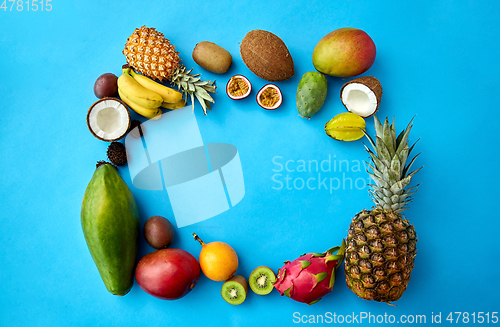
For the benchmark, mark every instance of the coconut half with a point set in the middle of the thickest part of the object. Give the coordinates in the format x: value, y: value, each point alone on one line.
x: 362, y: 96
x: 108, y: 119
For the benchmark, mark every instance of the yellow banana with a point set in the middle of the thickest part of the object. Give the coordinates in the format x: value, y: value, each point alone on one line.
x: 173, y: 106
x: 146, y: 112
x: 168, y: 94
x: 137, y: 93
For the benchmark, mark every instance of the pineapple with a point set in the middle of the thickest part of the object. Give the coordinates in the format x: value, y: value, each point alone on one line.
x: 151, y: 54
x: 381, y: 243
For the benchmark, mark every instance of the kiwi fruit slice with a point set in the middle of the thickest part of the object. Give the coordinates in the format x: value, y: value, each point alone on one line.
x: 234, y: 290
x: 261, y: 280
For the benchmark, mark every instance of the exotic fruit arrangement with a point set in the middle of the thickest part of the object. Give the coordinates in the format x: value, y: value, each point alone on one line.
x: 380, y: 247
x: 311, y: 276
x: 381, y: 244
x: 151, y: 54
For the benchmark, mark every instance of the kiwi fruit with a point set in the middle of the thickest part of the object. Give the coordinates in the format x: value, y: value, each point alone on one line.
x: 261, y: 280
x: 159, y: 232
x: 212, y: 57
x: 234, y: 290
x: 267, y: 56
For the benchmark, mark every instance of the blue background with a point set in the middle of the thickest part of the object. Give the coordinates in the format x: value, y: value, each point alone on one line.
x: 437, y: 60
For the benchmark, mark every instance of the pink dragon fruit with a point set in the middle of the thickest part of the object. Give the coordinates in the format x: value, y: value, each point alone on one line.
x: 311, y: 276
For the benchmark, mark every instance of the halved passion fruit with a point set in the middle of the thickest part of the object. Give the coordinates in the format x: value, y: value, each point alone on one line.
x: 269, y: 97
x: 108, y: 119
x: 238, y: 87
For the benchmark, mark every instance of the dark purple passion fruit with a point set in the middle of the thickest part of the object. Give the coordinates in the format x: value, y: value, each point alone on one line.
x: 269, y: 97
x: 238, y: 87
x: 106, y: 86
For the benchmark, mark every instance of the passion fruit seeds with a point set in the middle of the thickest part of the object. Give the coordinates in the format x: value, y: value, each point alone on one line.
x: 238, y: 87
x: 269, y: 97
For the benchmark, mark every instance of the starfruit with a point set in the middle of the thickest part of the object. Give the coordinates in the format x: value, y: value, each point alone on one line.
x: 345, y: 127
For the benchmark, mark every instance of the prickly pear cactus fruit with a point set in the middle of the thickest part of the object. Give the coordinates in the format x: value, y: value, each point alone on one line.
x: 311, y: 94
x: 311, y: 276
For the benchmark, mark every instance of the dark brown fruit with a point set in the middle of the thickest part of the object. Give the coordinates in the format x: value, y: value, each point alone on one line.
x: 269, y: 97
x: 117, y: 153
x: 106, y: 86
x: 159, y: 232
x: 267, y: 56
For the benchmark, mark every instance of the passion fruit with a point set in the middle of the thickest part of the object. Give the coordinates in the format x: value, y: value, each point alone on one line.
x: 106, y: 86
x: 238, y: 87
x: 269, y: 97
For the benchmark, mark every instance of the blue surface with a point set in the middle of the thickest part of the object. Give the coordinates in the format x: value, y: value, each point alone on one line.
x: 437, y: 60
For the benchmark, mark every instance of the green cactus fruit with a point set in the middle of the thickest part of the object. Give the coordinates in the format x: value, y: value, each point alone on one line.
x: 311, y: 94
x: 110, y: 223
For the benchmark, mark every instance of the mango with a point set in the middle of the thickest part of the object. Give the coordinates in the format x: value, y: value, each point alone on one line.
x: 168, y: 274
x: 110, y: 223
x: 344, y: 52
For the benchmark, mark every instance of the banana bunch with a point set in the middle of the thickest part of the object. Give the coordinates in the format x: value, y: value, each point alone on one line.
x: 145, y: 96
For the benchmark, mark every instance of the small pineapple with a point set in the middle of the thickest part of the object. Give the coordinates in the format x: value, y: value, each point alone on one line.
x: 151, y: 54
x: 381, y: 243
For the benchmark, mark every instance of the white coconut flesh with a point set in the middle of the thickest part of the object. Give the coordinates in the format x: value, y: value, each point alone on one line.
x: 359, y: 99
x: 109, y: 120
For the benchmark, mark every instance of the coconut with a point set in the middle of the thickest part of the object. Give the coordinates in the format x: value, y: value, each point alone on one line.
x: 362, y: 96
x: 108, y: 119
x: 267, y: 56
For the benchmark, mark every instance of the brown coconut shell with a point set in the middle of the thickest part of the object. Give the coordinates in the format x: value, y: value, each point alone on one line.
x: 267, y: 56
x: 372, y: 83
x: 103, y: 99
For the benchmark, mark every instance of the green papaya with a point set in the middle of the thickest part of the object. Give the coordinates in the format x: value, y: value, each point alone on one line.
x: 110, y: 223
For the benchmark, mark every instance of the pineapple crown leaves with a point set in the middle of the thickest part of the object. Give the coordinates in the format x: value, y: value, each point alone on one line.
x: 390, y: 171
x: 192, y: 86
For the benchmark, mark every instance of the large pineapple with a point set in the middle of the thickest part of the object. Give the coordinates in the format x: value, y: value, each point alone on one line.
x: 151, y: 54
x: 381, y: 244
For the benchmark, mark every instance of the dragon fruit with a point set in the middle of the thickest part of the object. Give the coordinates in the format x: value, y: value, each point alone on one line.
x: 311, y: 276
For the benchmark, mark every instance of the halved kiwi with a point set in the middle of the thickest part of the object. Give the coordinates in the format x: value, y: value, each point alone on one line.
x: 234, y: 290
x: 261, y: 280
